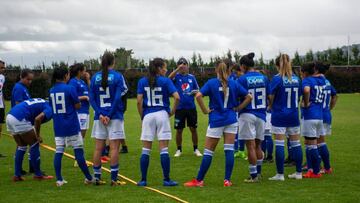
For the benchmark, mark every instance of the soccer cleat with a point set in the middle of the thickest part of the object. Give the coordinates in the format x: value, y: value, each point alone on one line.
x: 237, y: 154
x: 18, y: 178
x: 269, y: 160
x: 194, y: 183
x: 252, y: 180
x: 60, y: 183
x: 326, y: 171
x: 243, y: 155
x: 227, y: 183
x: 104, y: 159
x: 99, y: 182
x: 76, y: 164
x: 23, y: 173
x: 177, y: 153
x: 170, y: 183
x: 142, y: 183
x: 197, y: 153
x: 89, y: 182
x: 297, y: 176
x: 278, y: 177
x: 117, y: 182
x: 43, y: 177
x: 124, y: 150
x: 311, y: 174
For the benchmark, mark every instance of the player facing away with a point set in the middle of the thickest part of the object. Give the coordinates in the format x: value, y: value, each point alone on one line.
x: 106, y: 88
x: 23, y: 122
x: 313, y: 85
x: 252, y: 118
x: 267, y: 145
x: 2, y: 102
x: 153, y: 93
x: 82, y: 89
x: 224, y: 95
x: 285, y: 90
x: 64, y: 102
x: 329, y: 103
x: 187, y: 87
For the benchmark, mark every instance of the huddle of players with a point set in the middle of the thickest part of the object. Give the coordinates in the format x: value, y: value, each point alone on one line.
x: 235, y: 107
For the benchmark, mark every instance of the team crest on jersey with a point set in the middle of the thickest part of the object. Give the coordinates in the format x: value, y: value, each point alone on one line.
x: 185, y: 87
x: 99, y: 78
x: 255, y: 81
x: 293, y: 82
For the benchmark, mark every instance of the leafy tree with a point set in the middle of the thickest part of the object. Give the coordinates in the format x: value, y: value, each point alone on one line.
x: 194, y: 62
x: 309, y: 56
x: 297, y: 60
x: 237, y: 56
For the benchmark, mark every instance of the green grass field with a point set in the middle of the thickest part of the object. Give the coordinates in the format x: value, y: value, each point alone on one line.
x: 342, y: 186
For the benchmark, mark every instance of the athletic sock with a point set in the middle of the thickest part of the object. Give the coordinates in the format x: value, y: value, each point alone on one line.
x: 79, y: 156
x: 229, y: 160
x: 297, y: 155
x: 19, y: 157
x: 195, y: 147
x: 308, y: 157
x: 114, y: 172
x: 57, y: 162
x: 205, y: 164
x: 35, y: 158
x: 236, y: 143
x: 253, y: 171
x: 290, y: 158
x: 269, y: 147
x: 165, y: 163
x: 259, y: 163
x: 179, y: 148
x: 144, y: 163
x: 325, y: 155
x: 315, y: 157
x: 97, y: 171
x: 241, y: 145
x: 279, y: 155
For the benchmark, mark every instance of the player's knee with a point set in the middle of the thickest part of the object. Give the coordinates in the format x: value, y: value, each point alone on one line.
x: 145, y: 151
x: 60, y: 149
x: 164, y: 151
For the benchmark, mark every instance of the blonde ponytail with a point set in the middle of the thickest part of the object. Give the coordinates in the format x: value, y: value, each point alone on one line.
x: 223, y: 75
x: 284, y: 63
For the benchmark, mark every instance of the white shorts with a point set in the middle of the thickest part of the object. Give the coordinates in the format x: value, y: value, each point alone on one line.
x: 219, y: 132
x: 251, y: 127
x: 326, y: 130
x: 14, y: 126
x: 113, y: 131
x: 156, y: 125
x: 75, y: 141
x: 84, y: 121
x: 268, y: 121
x: 311, y: 128
x: 285, y: 130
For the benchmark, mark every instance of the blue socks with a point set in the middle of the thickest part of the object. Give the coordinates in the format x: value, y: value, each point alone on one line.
x: 324, y: 154
x: 165, y: 163
x: 253, y: 171
x: 267, y: 146
x: 144, y: 163
x: 258, y: 165
x: 57, y: 163
x: 35, y: 158
x: 279, y: 155
x: 236, y: 143
x: 297, y: 155
x: 114, y: 172
x: 19, y: 157
x: 289, y: 150
x: 308, y: 158
x: 229, y: 160
x: 79, y: 156
x: 314, y: 158
x: 241, y: 145
x: 97, y: 171
x: 205, y: 164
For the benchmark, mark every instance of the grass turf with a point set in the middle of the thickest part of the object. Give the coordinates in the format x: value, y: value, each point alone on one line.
x: 342, y: 186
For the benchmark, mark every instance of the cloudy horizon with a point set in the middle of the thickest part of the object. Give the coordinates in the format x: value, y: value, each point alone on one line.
x: 36, y: 31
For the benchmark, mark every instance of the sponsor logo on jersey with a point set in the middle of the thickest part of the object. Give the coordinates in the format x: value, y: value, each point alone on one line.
x: 255, y: 81
x: 185, y: 87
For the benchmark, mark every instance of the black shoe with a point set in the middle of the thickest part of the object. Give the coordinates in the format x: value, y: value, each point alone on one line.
x: 269, y: 160
x: 2, y: 156
x: 31, y: 169
x: 23, y: 173
x: 124, y: 150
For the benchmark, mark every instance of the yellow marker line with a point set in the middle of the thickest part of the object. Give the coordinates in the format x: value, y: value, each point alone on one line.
x: 122, y: 176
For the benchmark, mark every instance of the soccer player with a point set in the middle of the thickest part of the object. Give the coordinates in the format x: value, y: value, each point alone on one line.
x: 21, y: 93
x: 223, y: 105
x: 2, y: 103
x: 187, y: 87
x: 330, y: 99
x: 285, y: 90
x: 267, y: 145
x: 252, y: 118
x: 153, y: 93
x: 23, y: 122
x: 106, y: 88
x: 312, y: 113
x: 65, y: 102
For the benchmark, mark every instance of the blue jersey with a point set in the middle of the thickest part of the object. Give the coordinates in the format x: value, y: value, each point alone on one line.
x: 285, y: 108
x: 257, y: 85
x: 30, y: 109
x: 82, y: 90
x: 233, y: 76
x: 184, y: 85
x: 157, y: 98
x: 329, y: 91
x: 222, y: 105
x: 19, y: 94
x: 314, y: 111
x: 107, y: 102
x: 63, y: 98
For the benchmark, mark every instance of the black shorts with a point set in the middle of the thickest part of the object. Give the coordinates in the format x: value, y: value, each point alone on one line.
x: 2, y: 115
x: 190, y: 115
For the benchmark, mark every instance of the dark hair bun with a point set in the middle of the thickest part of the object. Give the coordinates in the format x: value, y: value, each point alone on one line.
x: 251, y: 55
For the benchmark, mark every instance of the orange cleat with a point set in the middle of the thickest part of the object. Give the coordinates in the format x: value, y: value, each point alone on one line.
x: 227, y: 183
x: 194, y: 183
x: 18, y: 178
x: 43, y: 177
x: 308, y: 174
x: 104, y: 159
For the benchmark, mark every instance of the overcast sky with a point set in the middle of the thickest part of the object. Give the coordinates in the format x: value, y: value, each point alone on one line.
x: 33, y: 31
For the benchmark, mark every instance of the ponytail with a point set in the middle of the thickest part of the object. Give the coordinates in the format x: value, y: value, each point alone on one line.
x: 247, y: 61
x: 107, y: 60
x: 284, y: 64
x: 153, y: 70
x: 223, y: 74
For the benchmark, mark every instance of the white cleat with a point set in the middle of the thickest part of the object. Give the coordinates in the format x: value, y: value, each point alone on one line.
x: 177, y: 153
x: 197, y: 152
x: 278, y: 177
x: 89, y: 182
x: 60, y: 183
x: 297, y: 176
